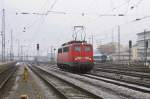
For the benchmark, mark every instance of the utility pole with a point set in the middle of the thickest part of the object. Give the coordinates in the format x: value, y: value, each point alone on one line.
x: 51, y: 53
x: 18, y: 50
x: 118, y: 43
x: 7, y: 54
x: 89, y: 40
x: 27, y: 57
x: 112, y: 37
x: 54, y: 55
x: 3, y: 35
x: 92, y: 40
x: 11, y: 47
x: 21, y: 52
x: 144, y: 47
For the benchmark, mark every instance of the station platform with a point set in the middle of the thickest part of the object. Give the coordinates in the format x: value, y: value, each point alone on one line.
x: 23, y: 88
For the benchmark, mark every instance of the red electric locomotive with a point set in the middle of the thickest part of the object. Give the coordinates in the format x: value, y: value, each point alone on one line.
x: 76, y: 56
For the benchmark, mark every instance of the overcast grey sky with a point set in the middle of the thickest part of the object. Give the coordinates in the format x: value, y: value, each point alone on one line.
x: 56, y: 28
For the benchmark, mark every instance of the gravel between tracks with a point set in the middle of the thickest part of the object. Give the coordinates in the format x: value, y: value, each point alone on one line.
x: 107, y: 90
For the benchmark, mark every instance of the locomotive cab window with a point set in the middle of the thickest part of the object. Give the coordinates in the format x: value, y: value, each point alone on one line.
x: 87, y: 48
x: 59, y: 50
x: 77, y: 48
x: 66, y: 49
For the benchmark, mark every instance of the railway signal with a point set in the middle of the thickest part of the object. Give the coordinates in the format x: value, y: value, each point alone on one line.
x: 146, y: 47
x: 130, y: 46
x: 146, y: 44
x: 37, y: 56
x: 37, y: 47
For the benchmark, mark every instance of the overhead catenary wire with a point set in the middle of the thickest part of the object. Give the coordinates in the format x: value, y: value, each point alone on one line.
x: 57, y: 12
x: 110, y: 11
x: 52, y: 6
x: 127, y: 10
x: 138, y: 3
x: 29, y: 26
x: 46, y: 10
x: 35, y: 21
x: 43, y: 20
x: 124, y: 14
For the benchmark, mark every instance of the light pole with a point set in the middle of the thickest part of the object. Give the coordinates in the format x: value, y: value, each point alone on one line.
x: 18, y: 49
x: 3, y: 35
x: 22, y: 53
x: 11, y: 47
x: 51, y: 53
x: 118, y: 43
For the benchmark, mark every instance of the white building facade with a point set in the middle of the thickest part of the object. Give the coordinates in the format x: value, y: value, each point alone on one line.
x: 141, y: 45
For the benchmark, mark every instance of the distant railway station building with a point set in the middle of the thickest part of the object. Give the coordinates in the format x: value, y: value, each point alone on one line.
x: 141, y: 45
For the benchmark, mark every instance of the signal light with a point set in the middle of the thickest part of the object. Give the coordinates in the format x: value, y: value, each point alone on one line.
x: 130, y: 44
x: 146, y: 44
x: 37, y: 46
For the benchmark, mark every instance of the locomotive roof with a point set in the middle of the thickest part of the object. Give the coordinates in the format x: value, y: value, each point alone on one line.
x: 73, y: 42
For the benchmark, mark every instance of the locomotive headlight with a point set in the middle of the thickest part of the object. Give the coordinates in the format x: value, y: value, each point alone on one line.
x: 88, y: 58
x: 78, y: 58
x: 75, y: 58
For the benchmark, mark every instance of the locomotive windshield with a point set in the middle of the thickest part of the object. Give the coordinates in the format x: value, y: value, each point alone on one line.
x: 87, y: 48
x: 77, y: 48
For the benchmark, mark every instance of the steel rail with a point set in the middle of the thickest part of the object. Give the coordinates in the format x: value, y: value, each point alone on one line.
x: 48, y: 83
x: 8, y: 74
x: 69, y: 83
x: 129, y: 73
x: 139, y: 82
x: 119, y: 83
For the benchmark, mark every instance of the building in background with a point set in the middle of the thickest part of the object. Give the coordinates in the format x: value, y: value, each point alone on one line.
x: 42, y: 59
x: 111, y: 50
x: 124, y: 57
x: 134, y: 53
x: 108, y: 48
x: 141, y: 38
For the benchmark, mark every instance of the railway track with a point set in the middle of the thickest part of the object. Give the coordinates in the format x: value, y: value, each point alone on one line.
x: 139, y: 86
x: 123, y: 68
x: 64, y: 88
x: 138, y: 78
x: 6, y: 75
x: 108, y: 85
x: 119, y: 83
x: 128, y: 73
x: 134, y: 86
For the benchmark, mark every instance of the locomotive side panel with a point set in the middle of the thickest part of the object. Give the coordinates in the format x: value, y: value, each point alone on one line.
x: 67, y: 55
x: 64, y: 57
